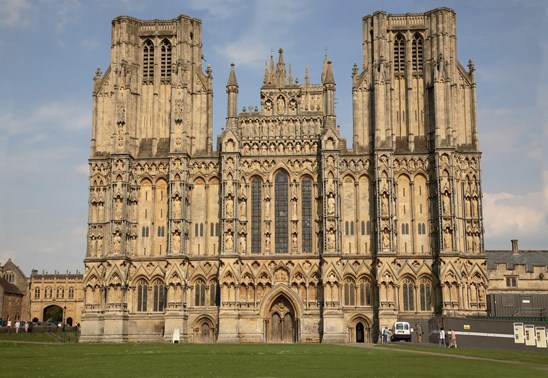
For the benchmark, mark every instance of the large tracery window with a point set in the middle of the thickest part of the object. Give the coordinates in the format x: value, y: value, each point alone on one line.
x: 142, y: 291
x: 408, y: 295
x: 349, y: 292
x: 425, y: 289
x: 416, y: 53
x: 280, y: 212
x: 199, y: 292
x: 213, y: 294
x: 399, y: 54
x: 159, y: 291
x: 148, y: 61
x: 306, y: 214
x: 256, y: 214
x: 364, y: 292
x: 165, y: 48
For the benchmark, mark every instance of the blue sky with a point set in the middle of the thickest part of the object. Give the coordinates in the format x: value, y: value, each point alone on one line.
x: 50, y: 50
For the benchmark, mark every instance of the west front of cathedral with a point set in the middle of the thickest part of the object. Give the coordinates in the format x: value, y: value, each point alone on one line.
x: 283, y: 233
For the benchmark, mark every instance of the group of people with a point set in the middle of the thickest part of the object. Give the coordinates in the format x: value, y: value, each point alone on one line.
x: 20, y: 324
x: 452, y: 338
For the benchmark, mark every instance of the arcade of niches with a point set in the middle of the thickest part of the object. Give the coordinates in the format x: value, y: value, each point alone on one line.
x: 283, y: 233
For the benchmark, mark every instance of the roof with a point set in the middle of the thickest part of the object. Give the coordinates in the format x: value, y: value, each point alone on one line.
x: 8, y: 287
x: 528, y: 258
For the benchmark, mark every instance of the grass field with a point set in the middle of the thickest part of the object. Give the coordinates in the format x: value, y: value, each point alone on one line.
x: 39, y: 359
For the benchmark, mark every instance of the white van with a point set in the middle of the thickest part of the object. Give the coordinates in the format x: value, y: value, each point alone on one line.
x: 401, y: 331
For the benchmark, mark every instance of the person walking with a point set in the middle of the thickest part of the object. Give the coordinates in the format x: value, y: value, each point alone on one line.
x: 453, y: 339
x: 418, y: 329
x: 442, y: 338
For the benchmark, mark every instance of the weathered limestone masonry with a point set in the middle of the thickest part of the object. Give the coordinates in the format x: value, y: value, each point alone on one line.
x: 283, y: 234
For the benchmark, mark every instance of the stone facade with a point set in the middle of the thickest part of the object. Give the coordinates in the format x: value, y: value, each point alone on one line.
x: 14, y: 301
x: 518, y: 282
x: 56, y: 289
x: 283, y: 234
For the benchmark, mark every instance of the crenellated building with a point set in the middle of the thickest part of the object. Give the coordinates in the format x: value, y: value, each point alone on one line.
x: 56, y: 297
x: 283, y: 233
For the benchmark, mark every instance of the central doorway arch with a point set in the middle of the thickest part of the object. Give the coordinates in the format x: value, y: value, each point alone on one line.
x: 360, y: 337
x: 281, y: 324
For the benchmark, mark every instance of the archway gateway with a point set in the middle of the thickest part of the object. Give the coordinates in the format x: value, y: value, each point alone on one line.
x: 360, y: 335
x: 53, y: 314
x: 281, y: 325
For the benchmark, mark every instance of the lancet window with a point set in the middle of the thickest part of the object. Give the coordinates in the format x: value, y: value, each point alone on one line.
x: 306, y: 214
x: 416, y: 53
x: 148, y: 61
x: 256, y: 214
x: 142, y: 291
x: 399, y: 55
x: 165, y: 65
x: 281, y: 209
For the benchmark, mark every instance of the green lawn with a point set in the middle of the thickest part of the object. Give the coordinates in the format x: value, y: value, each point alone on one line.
x: 19, y: 359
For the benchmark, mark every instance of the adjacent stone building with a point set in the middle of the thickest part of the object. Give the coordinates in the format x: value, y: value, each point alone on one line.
x: 284, y: 233
x: 518, y: 282
x: 14, y: 301
x: 51, y: 290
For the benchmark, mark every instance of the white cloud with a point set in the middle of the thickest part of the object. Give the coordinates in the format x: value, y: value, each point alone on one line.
x: 55, y: 115
x: 509, y: 131
x: 66, y: 13
x: 219, y: 9
x: 510, y: 216
x: 90, y: 44
x: 270, y: 23
x: 14, y: 13
x: 82, y: 169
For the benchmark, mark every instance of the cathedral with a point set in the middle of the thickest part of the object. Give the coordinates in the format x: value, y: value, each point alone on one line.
x: 283, y: 233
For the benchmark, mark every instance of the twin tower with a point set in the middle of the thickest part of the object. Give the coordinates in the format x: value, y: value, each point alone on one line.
x: 282, y: 233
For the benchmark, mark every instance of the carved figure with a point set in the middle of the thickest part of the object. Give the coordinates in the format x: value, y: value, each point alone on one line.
x: 229, y: 207
x: 331, y: 205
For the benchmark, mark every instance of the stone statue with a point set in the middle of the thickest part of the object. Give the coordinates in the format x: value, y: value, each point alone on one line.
x: 229, y: 207
x: 331, y: 205
x: 229, y: 242
x: 176, y: 244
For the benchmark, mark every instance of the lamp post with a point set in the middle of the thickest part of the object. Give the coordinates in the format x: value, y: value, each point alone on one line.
x: 64, y: 317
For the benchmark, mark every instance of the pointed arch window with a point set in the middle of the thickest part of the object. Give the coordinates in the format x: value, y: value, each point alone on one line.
x: 280, y: 212
x: 142, y: 291
x: 256, y: 214
x: 199, y: 292
x: 349, y: 292
x: 71, y: 293
x: 60, y: 292
x: 416, y: 53
x: 408, y: 295
x: 399, y: 55
x: 148, y: 61
x: 165, y: 65
x: 306, y: 214
x: 425, y: 289
x: 159, y: 291
x: 364, y: 292
x: 36, y: 293
x: 214, y: 294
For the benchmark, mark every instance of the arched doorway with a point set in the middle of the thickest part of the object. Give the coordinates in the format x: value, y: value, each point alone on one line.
x: 204, y: 331
x: 359, y: 330
x: 281, y: 324
x: 53, y: 314
x: 360, y: 336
